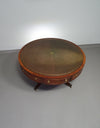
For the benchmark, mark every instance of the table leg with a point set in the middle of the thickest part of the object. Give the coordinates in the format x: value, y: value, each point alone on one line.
x: 37, y: 86
x: 69, y: 84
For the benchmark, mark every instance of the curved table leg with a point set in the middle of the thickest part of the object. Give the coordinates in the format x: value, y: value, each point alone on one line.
x: 69, y: 84
x: 37, y: 86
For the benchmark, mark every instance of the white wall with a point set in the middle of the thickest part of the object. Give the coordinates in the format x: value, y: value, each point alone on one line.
x: 24, y: 20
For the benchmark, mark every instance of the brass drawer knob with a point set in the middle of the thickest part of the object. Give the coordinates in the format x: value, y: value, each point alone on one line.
x: 48, y: 81
x: 35, y: 78
x: 66, y: 80
x: 76, y: 75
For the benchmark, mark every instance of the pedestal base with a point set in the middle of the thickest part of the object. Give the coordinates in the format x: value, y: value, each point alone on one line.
x: 69, y: 84
x: 39, y: 84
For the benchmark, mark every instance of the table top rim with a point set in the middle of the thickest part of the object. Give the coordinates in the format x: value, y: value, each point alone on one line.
x: 48, y: 76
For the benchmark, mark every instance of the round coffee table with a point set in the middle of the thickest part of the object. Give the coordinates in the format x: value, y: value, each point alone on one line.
x: 51, y: 61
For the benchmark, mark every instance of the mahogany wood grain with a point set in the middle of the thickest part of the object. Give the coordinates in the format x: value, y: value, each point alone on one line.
x: 41, y: 61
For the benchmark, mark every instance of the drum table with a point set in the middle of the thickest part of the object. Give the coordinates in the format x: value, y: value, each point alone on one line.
x: 51, y: 61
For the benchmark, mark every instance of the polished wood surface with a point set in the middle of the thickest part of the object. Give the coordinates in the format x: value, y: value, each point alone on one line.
x: 51, y: 61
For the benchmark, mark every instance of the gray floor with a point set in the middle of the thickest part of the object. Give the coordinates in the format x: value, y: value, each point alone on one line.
x: 57, y: 107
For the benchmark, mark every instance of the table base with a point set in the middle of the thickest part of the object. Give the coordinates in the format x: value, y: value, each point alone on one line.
x: 39, y: 84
